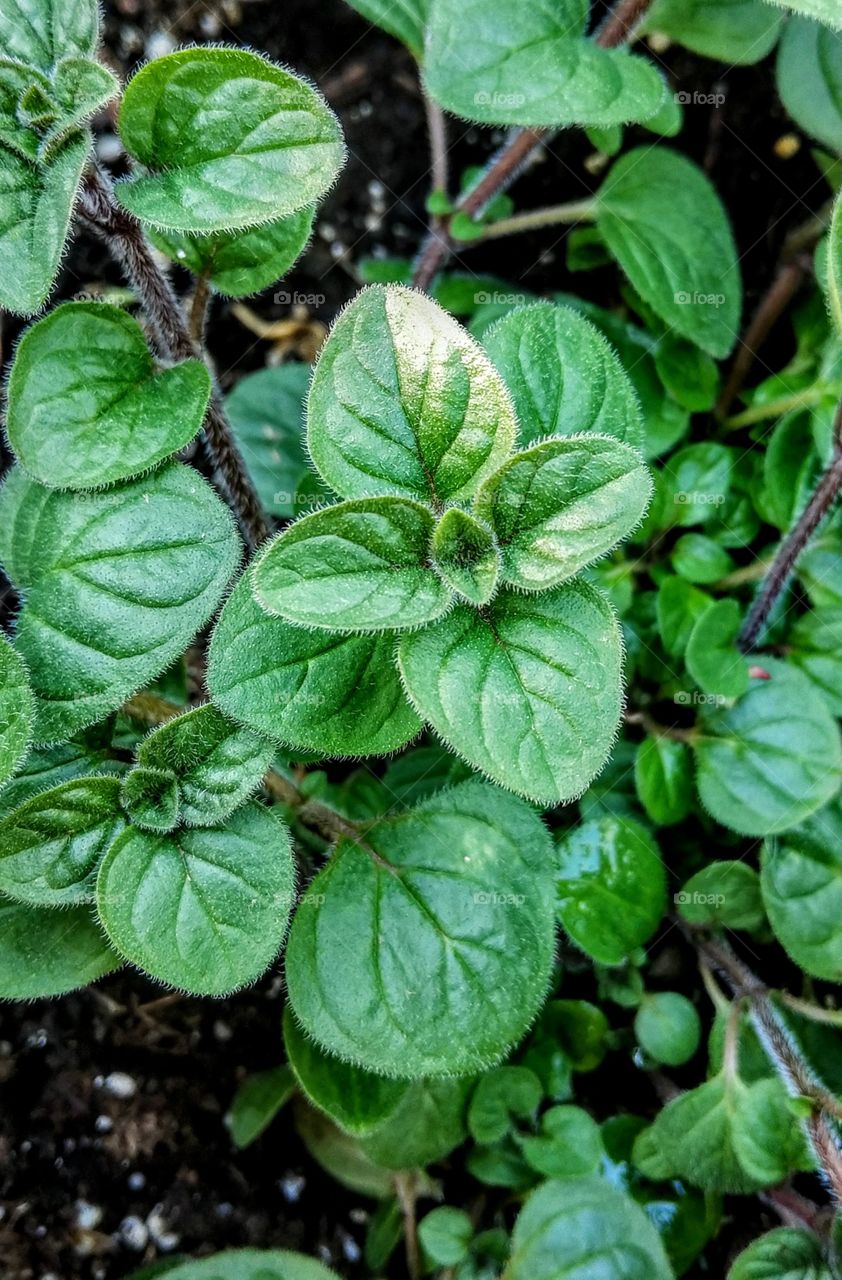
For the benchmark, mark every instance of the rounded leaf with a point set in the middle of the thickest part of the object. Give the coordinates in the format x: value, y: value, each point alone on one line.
x: 558, y: 506
x: 335, y: 694
x: 528, y: 691
x: 206, y: 909
x: 86, y: 406
x: 668, y: 1027
x: 444, y: 917
x: 611, y: 887
x: 226, y: 140
x: 266, y: 410
x: 16, y: 711
x: 404, y: 401
x: 801, y: 881
x: 252, y: 1264
x: 809, y: 80
x: 44, y: 952
x: 357, y: 566
x: 786, y: 1253
x: 40, y: 32
x: 466, y: 555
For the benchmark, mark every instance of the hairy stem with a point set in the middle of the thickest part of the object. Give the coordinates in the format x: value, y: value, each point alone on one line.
x: 437, y: 131
x: 129, y: 247
x: 791, y: 1067
x: 406, y: 1190
x: 148, y: 710
x: 822, y: 501
x: 783, y: 404
x: 505, y: 166
x: 199, y: 308
x: 535, y: 219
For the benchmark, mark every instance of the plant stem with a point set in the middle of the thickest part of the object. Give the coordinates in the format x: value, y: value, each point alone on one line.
x: 406, y: 1193
x: 784, y: 404
x: 437, y: 131
x: 149, y: 710
x: 823, y: 498
x: 505, y: 166
x: 774, y: 302
x: 535, y: 219
x: 199, y: 308
x: 128, y: 245
x: 791, y: 1067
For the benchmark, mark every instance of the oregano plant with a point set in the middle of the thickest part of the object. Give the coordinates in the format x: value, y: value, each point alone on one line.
x: 457, y: 691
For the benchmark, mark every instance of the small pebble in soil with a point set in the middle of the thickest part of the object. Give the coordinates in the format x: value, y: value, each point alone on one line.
x: 350, y: 1249
x: 159, y: 44
x: 291, y: 1185
x: 159, y: 1230
x: 120, y: 1085
x: 134, y: 1233
x: 88, y: 1215
x: 103, y: 1124
x: 136, y: 1181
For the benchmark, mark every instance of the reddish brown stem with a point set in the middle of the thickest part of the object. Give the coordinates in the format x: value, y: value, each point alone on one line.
x: 775, y: 301
x: 126, y: 241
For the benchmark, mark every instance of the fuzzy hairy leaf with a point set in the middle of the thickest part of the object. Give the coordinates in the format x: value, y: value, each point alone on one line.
x: 767, y: 763
x: 361, y: 565
x: 266, y: 410
x: 80, y: 87
x: 739, y: 32
x: 815, y: 647
x: 356, y: 1099
x: 337, y: 694
x: 40, y: 32
x: 561, y: 504
x: 564, y: 376
x: 238, y: 263
x: 44, y: 952
x: 86, y: 404
x: 150, y: 798
x: 503, y: 62
x: 801, y: 880
x: 16, y: 80
x: 226, y: 140
x: 217, y: 764
x: 427, y: 1124
x: 575, y: 1228
x: 48, y: 767
x: 825, y: 11
x: 500, y: 1096
x: 16, y: 711
x: 456, y: 890
x: 35, y: 206
x: 724, y: 895
x: 51, y: 846
x: 834, y: 262
x: 809, y: 80
x: 666, y: 226
x: 466, y: 555
x: 404, y: 19
x: 116, y: 583
x: 405, y: 402
x: 611, y: 887
x: 252, y: 1264
x: 567, y: 1146
x: 528, y: 692
x: 206, y: 909
x: 786, y: 1253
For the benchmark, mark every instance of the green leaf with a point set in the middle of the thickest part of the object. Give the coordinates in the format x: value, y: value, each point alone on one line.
x: 611, y: 887
x: 564, y: 376
x: 814, y: 646
x: 404, y: 401
x: 47, y: 767
x: 403, y: 19
x: 809, y: 78
x: 427, y: 1124
x: 528, y: 692
x: 150, y: 798
x: 698, y: 480
x: 834, y: 263
x: 266, y: 410
x: 36, y: 202
x: 116, y: 584
x: 238, y: 263
x: 340, y: 1155
x: 356, y: 1099
x: 726, y: 1135
x: 576, y: 1228
x: 768, y: 762
x: 723, y: 895
x: 466, y: 555
x: 226, y: 140
x: 16, y: 711
x: 690, y: 375
x: 205, y: 910
x: 713, y: 659
x: 456, y: 889
x: 824, y: 10
x: 252, y: 1264
x: 664, y: 779
x: 256, y: 1103
x: 801, y: 879
x: 80, y: 87
x: 786, y: 1253
x: 568, y: 1146
x: 668, y: 1027
x: 445, y: 1235
x: 739, y: 32
x: 358, y: 566
x: 665, y: 225
x: 561, y: 504
x: 44, y: 952
x: 86, y: 404
x: 39, y: 32
x: 16, y: 82
x: 335, y: 694
x: 51, y: 846
x: 218, y: 765
x: 678, y: 606
x: 511, y: 63
x: 700, y: 560
x: 500, y: 1096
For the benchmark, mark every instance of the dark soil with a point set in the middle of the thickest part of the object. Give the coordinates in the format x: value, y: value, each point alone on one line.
x: 77, y: 1162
